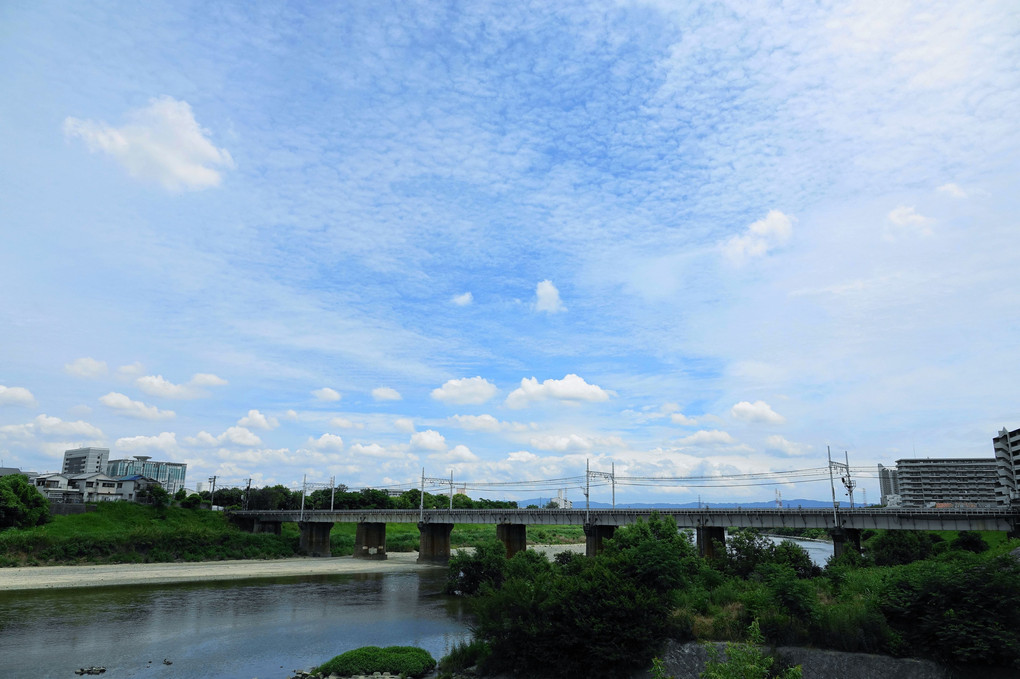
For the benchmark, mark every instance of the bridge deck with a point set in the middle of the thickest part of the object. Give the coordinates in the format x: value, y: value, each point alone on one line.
x: 889, y: 519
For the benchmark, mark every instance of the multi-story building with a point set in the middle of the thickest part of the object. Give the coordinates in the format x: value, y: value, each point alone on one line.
x: 169, y: 474
x: 85, y: 460
x: 928, y: 482
x: 888, y: 485
x: 1007, y: 450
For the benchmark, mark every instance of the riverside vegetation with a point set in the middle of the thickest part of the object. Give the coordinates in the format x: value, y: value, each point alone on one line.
x: 955, y: 600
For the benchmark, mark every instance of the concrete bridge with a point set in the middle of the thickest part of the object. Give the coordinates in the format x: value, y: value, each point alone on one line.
x: 435, y: 525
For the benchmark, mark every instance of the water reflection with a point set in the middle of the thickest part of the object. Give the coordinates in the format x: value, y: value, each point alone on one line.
x: 263, y: 628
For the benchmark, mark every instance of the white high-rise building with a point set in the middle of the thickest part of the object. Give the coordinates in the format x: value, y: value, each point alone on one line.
x: 1007, y: 452
x: 85, y: 461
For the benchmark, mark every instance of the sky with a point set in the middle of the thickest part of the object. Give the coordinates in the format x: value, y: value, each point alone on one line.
x: 371, y: 241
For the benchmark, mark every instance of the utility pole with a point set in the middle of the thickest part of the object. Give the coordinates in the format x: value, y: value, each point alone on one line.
x: 848, y: 482
x: 304, y: 480
x: 451, y: 490
x: 587, y: 490
x: 421, y: 498
x: 832, y: 485
x: 247, y: 494
x: 212, y: 495
x: 332, y: 491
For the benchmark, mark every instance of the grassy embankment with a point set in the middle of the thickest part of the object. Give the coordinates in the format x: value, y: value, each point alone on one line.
x: 120, y: 532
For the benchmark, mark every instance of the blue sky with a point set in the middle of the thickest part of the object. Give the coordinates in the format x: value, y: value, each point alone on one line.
x: 359, y: 239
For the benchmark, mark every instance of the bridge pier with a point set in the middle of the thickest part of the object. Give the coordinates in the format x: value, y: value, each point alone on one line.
x: 514, y: 536
x: 845, y: 538
x: 315, y: 537
x: 434, y: 543
x: 594, y: 536
x: 707, y: 537
x: 370, y: 540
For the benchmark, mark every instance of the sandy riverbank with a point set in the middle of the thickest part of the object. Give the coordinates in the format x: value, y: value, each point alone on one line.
x: 107, y: 575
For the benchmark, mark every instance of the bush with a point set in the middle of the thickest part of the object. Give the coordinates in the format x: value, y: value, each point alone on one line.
x: 464, y: 655
x: 744, y: 660
x: 21, y: 504
x: 469, y: 571
x: 969, y: 541
x: 406, y: 660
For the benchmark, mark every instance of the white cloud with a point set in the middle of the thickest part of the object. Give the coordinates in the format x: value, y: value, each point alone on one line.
x: 477, y: 422
x: 259, y: 421
x: 130, y: 371
x: 683, y: 420
x: 327, y: 442
x: 125, y: 406
x: 469, y: 390
x: 760, y: 237
x: 464, y: 299
x: 16, y: 396
x: 207, y: 380
x: 202, y: 438
x: 906, y: 217
x: 161, y: 143
x: 456, y: 454
x: 157, y: 385
x: 166, y: 442
x: 547, y: 298
x: 707, y: 437
x: 45, y: 425
x: 85, y: 367
x: 570, y: 388
x: 375, y: 450
x: 404, y: 424
x: 343, y: 423
x: 326, y: 394
x: 386, y: 394
x: 561, y: 443
x: 952, y: 190
x: 240, y: 436
x: 429, y: 439
x: 777, y: 442
x: 522, y: 457
x: 759, y: 411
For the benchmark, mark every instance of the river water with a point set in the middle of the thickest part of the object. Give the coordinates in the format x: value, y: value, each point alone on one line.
x: 264, y: 629
x: 260, y: 629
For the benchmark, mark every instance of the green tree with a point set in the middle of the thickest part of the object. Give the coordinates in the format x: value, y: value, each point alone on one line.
x: 744, y: 660
x: 21, y: 504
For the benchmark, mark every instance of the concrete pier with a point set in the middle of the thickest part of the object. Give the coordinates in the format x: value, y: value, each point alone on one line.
x: 434, y: 543
x: 844, y: 539
x: 370, y: 540
x: 594, y: 535
x: 707, y: 538
x: 314, y: 539
x: 514, y: 536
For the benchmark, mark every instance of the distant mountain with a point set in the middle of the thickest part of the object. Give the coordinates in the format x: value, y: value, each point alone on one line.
x: 788, y: 504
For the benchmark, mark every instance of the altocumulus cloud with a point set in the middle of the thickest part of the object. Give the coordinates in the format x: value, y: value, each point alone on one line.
x: 162, y: 143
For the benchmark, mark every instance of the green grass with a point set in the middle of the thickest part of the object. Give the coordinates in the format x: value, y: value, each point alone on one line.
x: 408, y: 661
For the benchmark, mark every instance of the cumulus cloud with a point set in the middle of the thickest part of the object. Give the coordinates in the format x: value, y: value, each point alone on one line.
x: 908, y: 218
x: 85, y: 367
x: 466, y: 391
x: 760, y: 237
x: 166, y: 442
x: 386, y: 394
x: 125, y: 406
x: 707, y: 437
x: 46, y: 425
x: 759, y: 411
x: 404, y: 424
x: 429, y: 439
x: 327, y: 442
x: 130, y: 371
x: 16, y: 396
x: 458, y: 453
x: 952, y: 190
x: 238, y: 436
x: 375, y: 450
x: 463, y: 300
x: 477, y: 422
x: 547, y: 298
x: 570, y: 388
x: 344, y: 423
x: 561, y: 443
x: 160, y: 143
x: 521, y: 457
x: 257, y: 420
x: 326, y: 394
x: 682, y: 420
x: 778, y: 443
x: 157, y: 385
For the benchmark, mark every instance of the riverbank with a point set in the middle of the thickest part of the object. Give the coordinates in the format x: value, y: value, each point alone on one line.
x: 108, y: 575
x: 111, y: 575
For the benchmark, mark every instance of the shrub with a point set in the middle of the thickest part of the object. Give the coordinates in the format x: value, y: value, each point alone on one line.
x: 464, y: 655
x: 744, y: 660
x: 969, y: 541
x: 21, y: 504
x: 469, y: 571
x: 406, y: 660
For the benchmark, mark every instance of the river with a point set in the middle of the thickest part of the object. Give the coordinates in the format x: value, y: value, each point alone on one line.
x: 224, y: 630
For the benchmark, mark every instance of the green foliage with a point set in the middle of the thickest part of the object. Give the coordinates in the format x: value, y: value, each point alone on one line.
x: 464, y: 655
x: 192, y: 501
x: 21, y: 504
x: 969, y: 541
x: 470, y: 571
x: 408, y: 661
x: 892, y: 548
x: 746, y: 550
x: 960, y: 611
x: 744, y: 660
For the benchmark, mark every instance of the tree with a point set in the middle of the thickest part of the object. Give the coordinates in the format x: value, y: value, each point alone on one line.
x: 21, y: 504
x: 180, y: 495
